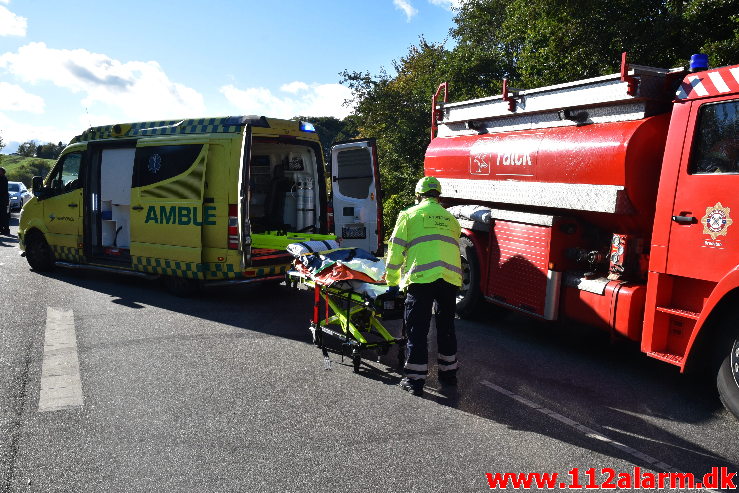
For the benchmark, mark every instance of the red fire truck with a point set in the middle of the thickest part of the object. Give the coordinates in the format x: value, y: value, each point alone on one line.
x: 608, y: 201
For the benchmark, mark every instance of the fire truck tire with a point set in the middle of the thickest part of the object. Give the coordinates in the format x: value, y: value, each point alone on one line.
x: 181, y: 287
x: 727, y: 380
x: 38, y: 252
x: 468, y: 298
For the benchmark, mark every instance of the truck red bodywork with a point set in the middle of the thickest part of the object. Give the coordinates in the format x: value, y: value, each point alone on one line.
x: 559, y: 189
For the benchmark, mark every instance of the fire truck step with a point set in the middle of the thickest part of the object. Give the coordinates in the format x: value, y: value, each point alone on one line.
x: 679, y: 312
x: 668, y: 358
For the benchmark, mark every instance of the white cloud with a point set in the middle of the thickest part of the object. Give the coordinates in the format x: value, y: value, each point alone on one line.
x: 294, y: 87
x: 406, y: 7
x: 139, y: 90
x: 15, y: 98
x: 313, y: 100
x: 10, y: 23
x: 14, y: 131
x: 447, y: 4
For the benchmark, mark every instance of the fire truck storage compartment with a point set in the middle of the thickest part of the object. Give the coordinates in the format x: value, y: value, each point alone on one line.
x: 284, y: 188
x: 616, y: 305
x: 526, y: 261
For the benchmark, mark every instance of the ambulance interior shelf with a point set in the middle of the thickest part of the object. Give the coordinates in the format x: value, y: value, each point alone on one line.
x: 115, y: 198
x: 283, y: 182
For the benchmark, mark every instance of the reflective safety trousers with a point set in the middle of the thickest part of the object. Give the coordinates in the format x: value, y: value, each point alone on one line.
x: 424, y: 246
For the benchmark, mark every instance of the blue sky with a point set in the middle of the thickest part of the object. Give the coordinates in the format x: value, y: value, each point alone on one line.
x: 66, y: 65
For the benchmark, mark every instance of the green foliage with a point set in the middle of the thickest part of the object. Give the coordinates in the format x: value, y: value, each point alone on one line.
x: 397, y: 111
x: 49, y: 150
x: 27, y: 149
x: 20, y: 168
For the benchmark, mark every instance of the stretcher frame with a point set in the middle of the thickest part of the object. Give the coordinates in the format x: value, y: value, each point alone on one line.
x: 357, y: 316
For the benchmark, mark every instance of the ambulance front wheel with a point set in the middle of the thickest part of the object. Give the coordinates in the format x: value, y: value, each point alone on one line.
x: 180, y: 286
x: 38, y: 252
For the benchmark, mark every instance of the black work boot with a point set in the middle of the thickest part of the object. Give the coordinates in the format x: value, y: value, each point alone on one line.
x: 448, y: 377
x: 413, y: 386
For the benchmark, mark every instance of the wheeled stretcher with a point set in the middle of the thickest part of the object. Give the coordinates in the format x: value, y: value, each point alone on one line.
x: 352, y: 311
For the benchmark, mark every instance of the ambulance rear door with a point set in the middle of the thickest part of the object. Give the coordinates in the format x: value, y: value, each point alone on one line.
x: 244, y: 191
x: 355, y: 190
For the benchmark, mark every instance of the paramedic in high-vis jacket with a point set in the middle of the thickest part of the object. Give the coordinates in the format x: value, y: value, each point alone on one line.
x: 423, y: 259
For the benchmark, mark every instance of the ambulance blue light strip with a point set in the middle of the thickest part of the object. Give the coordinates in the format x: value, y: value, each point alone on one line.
x: 307, y: 127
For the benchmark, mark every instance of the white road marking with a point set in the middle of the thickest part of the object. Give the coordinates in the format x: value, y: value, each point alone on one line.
x: 588, y: 432
x: 61, y: 387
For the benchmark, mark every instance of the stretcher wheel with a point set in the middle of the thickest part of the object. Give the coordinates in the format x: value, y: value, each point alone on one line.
x: 316, y: 334
x: 356, y: 360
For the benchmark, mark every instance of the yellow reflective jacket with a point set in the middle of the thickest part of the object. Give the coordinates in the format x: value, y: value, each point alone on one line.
x: 424, y: 246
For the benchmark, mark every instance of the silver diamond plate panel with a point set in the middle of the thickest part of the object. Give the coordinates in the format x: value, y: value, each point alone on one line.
x: 602, y: 114
x: 605, y: 98
x: 581, y: 197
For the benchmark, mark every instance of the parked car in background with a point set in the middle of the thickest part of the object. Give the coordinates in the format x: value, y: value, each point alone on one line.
x: 19, y: 195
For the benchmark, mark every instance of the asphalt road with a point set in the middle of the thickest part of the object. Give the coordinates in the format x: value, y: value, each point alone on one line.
x: 225, y: 392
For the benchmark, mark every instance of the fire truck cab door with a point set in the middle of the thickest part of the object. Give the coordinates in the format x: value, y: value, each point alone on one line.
x: 703, y: 239
x: 355, y: 181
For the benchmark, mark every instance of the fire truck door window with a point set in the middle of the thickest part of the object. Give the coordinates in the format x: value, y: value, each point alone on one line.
x: 354, y: 173
x: 716, y: 145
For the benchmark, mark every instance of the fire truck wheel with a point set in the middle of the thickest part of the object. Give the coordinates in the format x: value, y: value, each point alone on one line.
x: 179, y: 286
x: 727, y: 380
x: 38, y: 252
x: 468, y: 297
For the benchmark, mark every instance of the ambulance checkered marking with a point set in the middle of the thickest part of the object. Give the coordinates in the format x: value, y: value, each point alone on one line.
x: 67, y: 253
x: 711, y: 83
x: 170, y: 127
x: 204, y: 271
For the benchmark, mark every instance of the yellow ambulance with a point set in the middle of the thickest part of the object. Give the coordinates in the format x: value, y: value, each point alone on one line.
x: 200, y: 201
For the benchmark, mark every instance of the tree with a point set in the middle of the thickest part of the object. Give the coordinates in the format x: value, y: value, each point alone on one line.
x: 397, y: 111
x: 27, y: 149
x: 49, y: 150
x: 551, y: 41
x: 2, y: 146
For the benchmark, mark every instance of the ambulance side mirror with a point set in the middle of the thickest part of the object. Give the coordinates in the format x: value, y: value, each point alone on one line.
x: 37, y: 185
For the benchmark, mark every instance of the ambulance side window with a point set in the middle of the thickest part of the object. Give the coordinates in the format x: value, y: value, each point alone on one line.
x: 158, y: 163
x: 354, y: 173
x: 66, y: 175
x: 716, y: 141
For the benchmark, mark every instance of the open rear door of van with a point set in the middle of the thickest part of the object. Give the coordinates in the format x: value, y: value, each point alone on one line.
x: 355, y: 185
x: 244, y: 195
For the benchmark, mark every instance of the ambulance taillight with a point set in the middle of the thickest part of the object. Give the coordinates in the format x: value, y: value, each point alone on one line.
x: 330, y: 219
x: 233, y: 227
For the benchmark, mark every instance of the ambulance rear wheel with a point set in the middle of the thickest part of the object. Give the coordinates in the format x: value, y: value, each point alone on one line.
x: 38, y: 252
x: 468, y: 298
x: 179, y: 286
x: 727, y: 380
